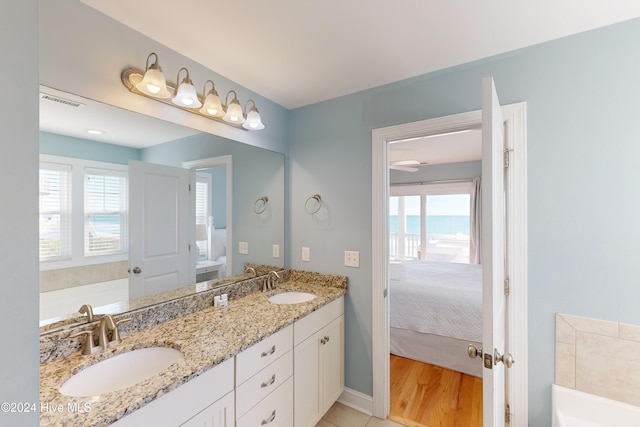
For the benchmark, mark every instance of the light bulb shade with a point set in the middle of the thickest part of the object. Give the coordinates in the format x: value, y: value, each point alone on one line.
x: 212, y: 105
x: 153, y: 83
x: 234, y: 113
x: 187, y: 96
x: 253, y: 121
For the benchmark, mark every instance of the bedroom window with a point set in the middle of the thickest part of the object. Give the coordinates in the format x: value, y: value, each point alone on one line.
x: 430, y: 222
x: 55, y: 211
x: 105, y: 212
x: 448, y: 227
x: 203, y: 211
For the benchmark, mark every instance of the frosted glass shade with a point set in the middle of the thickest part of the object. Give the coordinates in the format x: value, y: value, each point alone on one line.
x: 153, y: 83
x: 212, y: 105
x: 234, y: 113
x: 253, y: 121
x: 187, y: 96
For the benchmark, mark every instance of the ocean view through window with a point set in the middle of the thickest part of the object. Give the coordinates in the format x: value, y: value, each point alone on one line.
x: 430, y: 227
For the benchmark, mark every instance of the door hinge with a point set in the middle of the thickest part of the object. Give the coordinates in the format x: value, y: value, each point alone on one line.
x: 507, y: 414
x: 189, y: 187
x: 385, y: 293
x: 506, y: 156
x: 189, y: 246
x: 507, y: 286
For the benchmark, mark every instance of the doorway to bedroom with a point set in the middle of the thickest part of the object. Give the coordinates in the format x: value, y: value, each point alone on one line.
x: 514, y: 397
x: 435, y: 278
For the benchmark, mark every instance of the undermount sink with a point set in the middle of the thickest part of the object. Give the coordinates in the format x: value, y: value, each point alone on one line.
x: 119, y: 372
x: 291, y: 297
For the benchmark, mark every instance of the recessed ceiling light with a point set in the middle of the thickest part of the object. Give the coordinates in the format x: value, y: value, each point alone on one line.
x: 95, y: 131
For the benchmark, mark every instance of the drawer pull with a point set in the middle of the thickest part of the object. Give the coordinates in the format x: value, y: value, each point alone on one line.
x: 270, y: 352
x: 270, y: 419
x: 268, y: 383
x: 324, y: 340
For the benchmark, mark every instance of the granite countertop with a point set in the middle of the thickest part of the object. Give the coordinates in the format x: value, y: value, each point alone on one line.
x: 205, y: 338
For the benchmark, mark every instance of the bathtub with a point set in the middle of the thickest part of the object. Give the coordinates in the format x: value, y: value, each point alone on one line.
x: 573, y: 408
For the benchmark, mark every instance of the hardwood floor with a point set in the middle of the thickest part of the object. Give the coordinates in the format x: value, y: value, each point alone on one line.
x: 424, y: 395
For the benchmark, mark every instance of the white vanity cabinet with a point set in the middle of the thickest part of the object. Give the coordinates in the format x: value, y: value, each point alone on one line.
x: 318, y: 362
x: 264, y: 387
x: 205, y: 401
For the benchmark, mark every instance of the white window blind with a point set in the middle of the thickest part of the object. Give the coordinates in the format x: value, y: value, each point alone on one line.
x: 203, y: 210
x: 105, y: 211
x: 55, y: 211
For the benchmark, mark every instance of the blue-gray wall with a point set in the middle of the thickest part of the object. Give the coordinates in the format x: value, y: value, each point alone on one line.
x: 19, y: 211
x: 68, y: 146
x: 256, y: 172
x: 583, y: 96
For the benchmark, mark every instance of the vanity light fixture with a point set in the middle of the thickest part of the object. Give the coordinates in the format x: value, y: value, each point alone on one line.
x: 186, y: 95
x: 152, y: 84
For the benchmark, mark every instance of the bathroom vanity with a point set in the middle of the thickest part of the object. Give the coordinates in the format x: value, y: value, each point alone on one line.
x: 239, y: 364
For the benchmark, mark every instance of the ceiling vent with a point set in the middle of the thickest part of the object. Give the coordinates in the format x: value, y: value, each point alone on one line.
x: 60, y: 100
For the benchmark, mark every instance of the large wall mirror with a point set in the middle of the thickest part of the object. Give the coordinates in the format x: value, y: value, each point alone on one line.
x: 92, y: 234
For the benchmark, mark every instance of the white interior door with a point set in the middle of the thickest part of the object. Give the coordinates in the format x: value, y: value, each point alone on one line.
x: 493, y: 254
x: 159, y: 232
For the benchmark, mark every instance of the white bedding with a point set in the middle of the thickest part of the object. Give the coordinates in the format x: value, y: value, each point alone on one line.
x: 438, y: 298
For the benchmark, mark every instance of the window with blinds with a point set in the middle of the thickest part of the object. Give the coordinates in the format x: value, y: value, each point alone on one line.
x: 203, y: 209
x: 55, y: 211
x: 105, y: 212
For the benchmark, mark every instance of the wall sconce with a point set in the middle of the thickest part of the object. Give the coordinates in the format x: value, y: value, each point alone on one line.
x: 152, y: 84
x: 313, y: 204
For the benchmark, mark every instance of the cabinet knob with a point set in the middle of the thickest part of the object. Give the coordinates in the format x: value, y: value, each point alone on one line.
x: 324, y: 340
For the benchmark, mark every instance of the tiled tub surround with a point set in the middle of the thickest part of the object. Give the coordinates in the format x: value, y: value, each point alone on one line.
x: 205, y: 337
x: 52, y: 280
x: 598, y: 357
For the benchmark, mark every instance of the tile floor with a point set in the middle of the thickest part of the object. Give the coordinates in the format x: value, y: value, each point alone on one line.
x: 343, y: 416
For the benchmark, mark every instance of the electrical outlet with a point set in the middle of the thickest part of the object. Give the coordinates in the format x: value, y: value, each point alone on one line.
x: 243, y: 248
x: 276, y: 251
x: 305, y: 254
x: 352, y: 259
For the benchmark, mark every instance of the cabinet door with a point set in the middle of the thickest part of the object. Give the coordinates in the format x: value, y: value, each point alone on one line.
x: 306, y: 374
x: 218, y: 414
x: 332, y: 362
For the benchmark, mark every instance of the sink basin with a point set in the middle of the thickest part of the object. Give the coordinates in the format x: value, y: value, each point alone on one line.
x: 121, y: 371
x: 291, y: 297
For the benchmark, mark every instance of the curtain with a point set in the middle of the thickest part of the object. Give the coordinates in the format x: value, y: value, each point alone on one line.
x: 475, y: 252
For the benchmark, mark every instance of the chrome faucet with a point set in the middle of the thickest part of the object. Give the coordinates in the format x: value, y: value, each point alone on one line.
x: 106, y: 324
x: 272, y: 279
x: 86, y: 309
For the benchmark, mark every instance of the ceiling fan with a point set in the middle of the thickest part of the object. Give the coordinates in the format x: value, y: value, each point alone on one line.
x: 405, y: 165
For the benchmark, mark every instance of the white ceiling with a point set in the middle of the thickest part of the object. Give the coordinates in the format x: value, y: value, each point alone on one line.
x: 121, y: 127
x: 454, y: 147
x: 297, y: 52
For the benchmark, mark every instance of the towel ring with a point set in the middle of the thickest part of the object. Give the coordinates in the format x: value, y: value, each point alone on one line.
x: 309, y: 207
x: 260, y: 205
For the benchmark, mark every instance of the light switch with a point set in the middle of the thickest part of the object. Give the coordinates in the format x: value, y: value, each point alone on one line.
x: 305, y: 254
x: 243, y: 248
x: 276, y: 251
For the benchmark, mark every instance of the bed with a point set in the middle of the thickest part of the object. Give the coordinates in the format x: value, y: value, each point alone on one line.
x: 436, y: 312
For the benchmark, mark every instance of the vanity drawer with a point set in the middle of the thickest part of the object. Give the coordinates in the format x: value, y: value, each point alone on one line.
x: 263, y: 383
x: 276, y: 410
x: 267, y: 351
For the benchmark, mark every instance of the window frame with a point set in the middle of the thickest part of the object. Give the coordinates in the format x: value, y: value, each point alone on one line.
x: 77, y: 216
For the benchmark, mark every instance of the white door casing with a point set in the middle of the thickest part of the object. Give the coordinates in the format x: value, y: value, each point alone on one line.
x: 159, y: 234
x: 515, y: 134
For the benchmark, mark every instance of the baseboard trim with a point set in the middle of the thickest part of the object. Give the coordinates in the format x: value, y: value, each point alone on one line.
x: 356, y: 400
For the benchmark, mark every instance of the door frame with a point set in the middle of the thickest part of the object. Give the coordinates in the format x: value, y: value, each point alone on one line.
x: 516, y: 140
x: 211, y: 162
